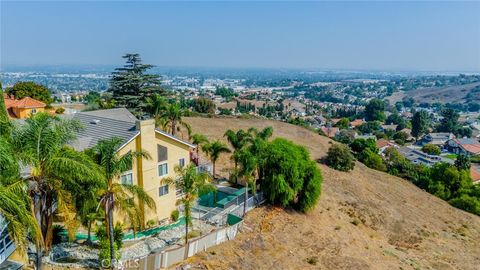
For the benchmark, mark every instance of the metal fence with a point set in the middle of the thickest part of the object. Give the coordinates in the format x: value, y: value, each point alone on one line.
x: 218, y: 216
x: 168, y: 257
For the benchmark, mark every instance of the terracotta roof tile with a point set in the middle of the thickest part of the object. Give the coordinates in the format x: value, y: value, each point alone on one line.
x: 28, y: 102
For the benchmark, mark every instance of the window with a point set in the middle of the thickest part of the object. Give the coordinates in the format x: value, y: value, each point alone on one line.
x: 127, y: 179
x: 163, y: 190
x: 34, y: 111
x: 162, y: 153
x: 181, y: 162
x: 162, y: 169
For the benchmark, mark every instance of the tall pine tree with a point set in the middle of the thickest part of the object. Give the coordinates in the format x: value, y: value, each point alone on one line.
x: 131, y: 84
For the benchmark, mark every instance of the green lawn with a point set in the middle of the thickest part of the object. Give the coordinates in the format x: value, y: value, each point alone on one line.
x: 451, y: 156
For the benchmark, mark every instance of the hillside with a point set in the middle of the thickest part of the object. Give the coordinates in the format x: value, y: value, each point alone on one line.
x: 400, y: 226
x: 452, y: 94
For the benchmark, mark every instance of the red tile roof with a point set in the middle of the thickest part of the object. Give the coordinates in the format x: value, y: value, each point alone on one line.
x: 28, y: 102
x: 474, y: 173
x: 382, y: 143
x: 357, y: 122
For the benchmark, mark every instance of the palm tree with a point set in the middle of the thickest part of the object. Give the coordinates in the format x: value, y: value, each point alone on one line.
x: 41, y: 144
x: 213, y: 150
x: 199, y: 140
x: 238, y: 140
x: 156, y: 105
x: 15, y: 203
x: 125, y: 198
x: 193, y: 184
x: 258, y: 144
x: 172, y: 118
x: 248, y: 165
x: 15, y: 212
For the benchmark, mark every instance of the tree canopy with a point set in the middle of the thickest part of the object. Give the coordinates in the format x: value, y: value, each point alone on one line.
x: 30, y: 89
x: 420, y: 123
x: 131, y: 84
x: 374, y: 111
x: 290, y: 177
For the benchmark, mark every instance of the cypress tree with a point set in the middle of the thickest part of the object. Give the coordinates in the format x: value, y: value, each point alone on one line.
x: 131, y: 84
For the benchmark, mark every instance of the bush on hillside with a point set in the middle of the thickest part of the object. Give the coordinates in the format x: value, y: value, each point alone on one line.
x: 290, y: 177
x: 372, y: 160
x: 431, y: 149
x: 467, y: 203
x: 340, y: 158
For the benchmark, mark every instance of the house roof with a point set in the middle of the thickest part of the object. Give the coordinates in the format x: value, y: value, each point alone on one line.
x: 166, y: 134
x: 120, y: 114
x: 97, y: 128
x: 106, y: 124
x: 475, y: 173
x: 357, y: 122
x: 28, y: 102
x: 382, y: 143
x: 469, y: 145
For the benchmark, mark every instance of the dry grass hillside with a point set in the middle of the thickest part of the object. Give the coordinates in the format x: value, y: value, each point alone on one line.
x: 364, y: 219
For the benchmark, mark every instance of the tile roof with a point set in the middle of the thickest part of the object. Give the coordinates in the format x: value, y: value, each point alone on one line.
x: 382, y: 143
x: 475, y: 173
x: 357, y: 122
x: 28, y: 102
x: 469, y: 145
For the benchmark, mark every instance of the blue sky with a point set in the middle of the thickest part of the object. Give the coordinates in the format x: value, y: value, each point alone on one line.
x: 435, y: 36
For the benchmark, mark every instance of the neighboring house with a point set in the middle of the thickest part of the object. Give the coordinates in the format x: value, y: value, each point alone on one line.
x: 418, y: 157
x: 383, y: 144
x: 356, y: 123
x: 365, y: 136
x: 166, y: 152
x: 438, y: 138
x: 389, y: 127
x: 467, y: 146
x: 475, y: 173
x: 330, y: 131
x: 24, y: 107
x: 7, y: 247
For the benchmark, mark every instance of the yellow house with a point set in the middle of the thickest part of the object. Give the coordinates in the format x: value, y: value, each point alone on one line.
x: 166, y: 152
x: 24, y: 107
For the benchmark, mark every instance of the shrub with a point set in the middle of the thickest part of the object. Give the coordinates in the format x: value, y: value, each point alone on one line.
x: 290, y: 178
x: 104, y: 255
x: 340, y: 158
x: 175, y: 215
x: 372, y: 160
x: 431, y: 149
x: 467, y: 203
x: 57, y: 237
x: 118, y: 234
x: 358, y: 145
x: 400, y: 137
x: 151, y: 223
x: 312, y: 260
x: 60, y: 110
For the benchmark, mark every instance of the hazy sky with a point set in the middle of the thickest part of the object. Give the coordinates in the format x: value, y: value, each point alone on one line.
x: 436, y: 36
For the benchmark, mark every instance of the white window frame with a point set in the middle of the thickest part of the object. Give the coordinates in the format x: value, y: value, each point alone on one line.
x: 158, y: 168
x: 127, y: 173
x: 160, y: 188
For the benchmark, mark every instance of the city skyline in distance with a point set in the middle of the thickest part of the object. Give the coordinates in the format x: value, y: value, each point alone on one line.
x: 366, y: 36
